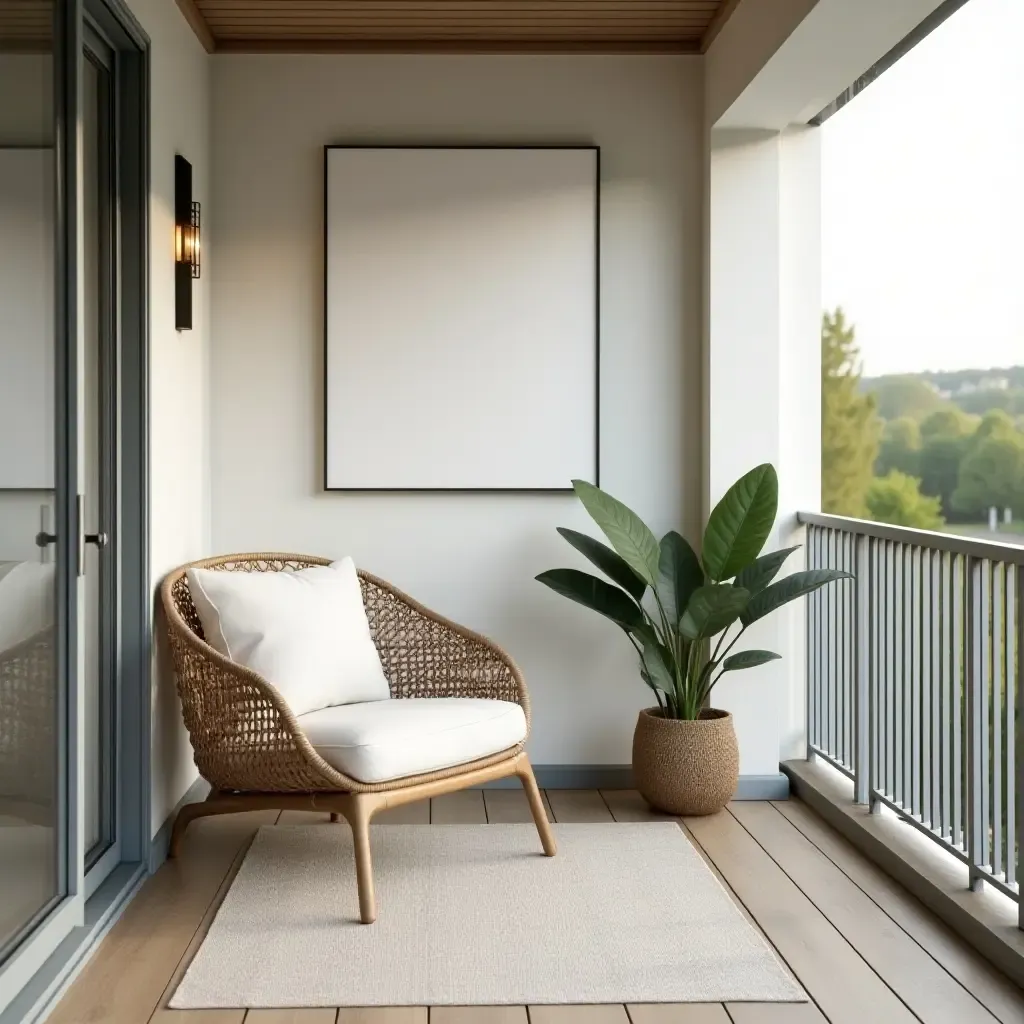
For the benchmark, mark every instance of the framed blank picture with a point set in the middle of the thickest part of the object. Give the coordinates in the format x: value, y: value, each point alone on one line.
x: 461, y: 317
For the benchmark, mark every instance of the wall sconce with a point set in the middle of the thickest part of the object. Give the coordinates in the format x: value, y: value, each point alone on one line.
x: 186, y: 243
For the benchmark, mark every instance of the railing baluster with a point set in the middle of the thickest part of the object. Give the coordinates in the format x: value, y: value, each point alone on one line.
x: 916, y: 658
x: 844, y: 638
x: 1013, y: 625
x: 994, y: 757
x: 810, y: 645
x: 960, y: 583
x: 977, y: 818
x: 899, y: 671
x: 946, y: 690
x: 933, y: 764
x: 874, y: 690
x: 892, y: 603
x: 1018, y: 731
x: 833, y: 666
x: 862, y: 669
x: 853, y: 637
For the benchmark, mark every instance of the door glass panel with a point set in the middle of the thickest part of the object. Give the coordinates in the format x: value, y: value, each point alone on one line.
x: 98, y: 447
x: 30, y: 695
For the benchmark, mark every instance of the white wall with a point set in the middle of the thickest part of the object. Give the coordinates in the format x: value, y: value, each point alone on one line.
x: 472, y: 557
x: 178, y: 419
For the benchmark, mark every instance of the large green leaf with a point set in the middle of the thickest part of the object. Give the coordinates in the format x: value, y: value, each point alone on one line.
x: 594, y: 593
x: 656, y: 666
x: 748, y: 659
x: 679, y: 575
x: 789, y: 588
x: 756, y: 576
x: 611, y: 564
x: 740, y: 523
x: 626, y: 531
x: 712, y: 608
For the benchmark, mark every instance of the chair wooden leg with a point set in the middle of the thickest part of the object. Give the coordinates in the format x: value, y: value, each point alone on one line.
x: 540, y: 817
x: 362, y: 808
x: 213, y: 804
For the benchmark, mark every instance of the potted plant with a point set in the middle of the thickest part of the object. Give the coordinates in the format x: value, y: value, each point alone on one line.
x: 679, y: 611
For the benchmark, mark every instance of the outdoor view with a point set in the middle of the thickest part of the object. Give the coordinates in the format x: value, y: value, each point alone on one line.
x: 923, y: 285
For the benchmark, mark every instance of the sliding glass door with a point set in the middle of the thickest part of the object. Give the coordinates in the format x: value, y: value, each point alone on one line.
x: 74, y: 654
x: 33, y: 684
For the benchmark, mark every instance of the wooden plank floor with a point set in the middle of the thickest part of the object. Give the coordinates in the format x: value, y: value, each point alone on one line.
x: 863, y: 948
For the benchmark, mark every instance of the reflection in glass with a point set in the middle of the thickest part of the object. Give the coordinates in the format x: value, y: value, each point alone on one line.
x: 29, y: 706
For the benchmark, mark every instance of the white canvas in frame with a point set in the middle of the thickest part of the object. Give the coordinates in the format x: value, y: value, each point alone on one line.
x: 461, y: 318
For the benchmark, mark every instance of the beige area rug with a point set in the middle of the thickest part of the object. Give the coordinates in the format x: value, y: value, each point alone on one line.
x: 475, y: 915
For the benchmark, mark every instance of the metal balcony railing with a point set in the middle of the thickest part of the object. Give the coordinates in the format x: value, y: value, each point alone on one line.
x: 914, y: 676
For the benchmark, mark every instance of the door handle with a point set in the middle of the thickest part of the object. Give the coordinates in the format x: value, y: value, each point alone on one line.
x: 99, y: 539
x: 44, y: 538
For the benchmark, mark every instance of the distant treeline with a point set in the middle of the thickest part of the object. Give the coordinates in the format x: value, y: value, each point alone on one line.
x: 973, y: 391
x: 918, y: 449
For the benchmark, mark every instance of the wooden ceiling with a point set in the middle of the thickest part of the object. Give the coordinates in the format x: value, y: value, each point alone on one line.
x: 26, y: 26
x: 481, y: 26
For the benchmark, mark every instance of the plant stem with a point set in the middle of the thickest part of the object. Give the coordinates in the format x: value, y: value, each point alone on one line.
x: 725, y: 654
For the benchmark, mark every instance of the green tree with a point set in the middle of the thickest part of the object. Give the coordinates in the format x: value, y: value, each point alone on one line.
x: 900, y: 448
x: 850, y: 426
x: 945, y: 439
x: 903, y: 395
x: 949, y: 421
x: 992, y: 474
x: 896, y: 498
x: 995, y: 423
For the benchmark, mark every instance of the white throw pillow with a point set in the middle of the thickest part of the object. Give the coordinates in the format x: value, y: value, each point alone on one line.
x: 304, y: 631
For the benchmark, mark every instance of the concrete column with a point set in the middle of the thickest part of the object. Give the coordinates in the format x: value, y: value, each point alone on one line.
x: 762, y: 390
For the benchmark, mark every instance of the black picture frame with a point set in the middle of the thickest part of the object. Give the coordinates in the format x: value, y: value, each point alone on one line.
x: 591, y: 147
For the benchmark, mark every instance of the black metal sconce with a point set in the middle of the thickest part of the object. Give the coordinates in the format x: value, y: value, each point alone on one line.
x: 186, y: 243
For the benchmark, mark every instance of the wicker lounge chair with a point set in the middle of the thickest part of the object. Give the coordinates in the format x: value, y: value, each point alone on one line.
x: 254, y: 753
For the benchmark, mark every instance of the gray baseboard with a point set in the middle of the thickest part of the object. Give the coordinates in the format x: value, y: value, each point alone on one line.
x: 158, y: 847
x: 620, y: 776
x: 763, y: 787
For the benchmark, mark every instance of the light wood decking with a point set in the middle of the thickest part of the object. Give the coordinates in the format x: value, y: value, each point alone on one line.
x: 866, y: 951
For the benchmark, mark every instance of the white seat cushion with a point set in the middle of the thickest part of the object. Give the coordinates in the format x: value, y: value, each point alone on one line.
x: 304, y: 631
x: 391, y: 739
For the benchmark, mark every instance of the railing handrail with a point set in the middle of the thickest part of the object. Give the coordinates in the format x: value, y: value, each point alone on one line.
x: 991, y: 549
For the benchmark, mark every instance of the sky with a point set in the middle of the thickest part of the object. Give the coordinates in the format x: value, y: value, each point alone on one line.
x: 923, y: 200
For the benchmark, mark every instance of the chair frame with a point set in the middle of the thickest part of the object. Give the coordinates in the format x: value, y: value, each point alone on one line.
x: 251, y: 749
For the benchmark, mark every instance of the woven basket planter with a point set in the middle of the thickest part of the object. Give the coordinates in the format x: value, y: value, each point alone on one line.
x: 686, y: 767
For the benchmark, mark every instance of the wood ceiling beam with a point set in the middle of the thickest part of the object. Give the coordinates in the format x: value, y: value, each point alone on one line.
x: 722, y: 15
x: 478, y: 46
x: 197, y: 23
